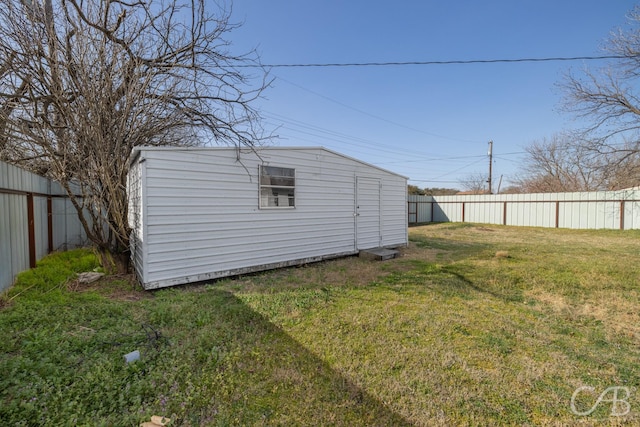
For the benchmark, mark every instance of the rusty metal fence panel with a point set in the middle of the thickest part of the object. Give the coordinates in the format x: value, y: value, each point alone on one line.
x: 36, y: 218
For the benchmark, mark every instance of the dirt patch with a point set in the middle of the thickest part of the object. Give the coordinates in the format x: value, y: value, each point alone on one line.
x: 554, y: 301
x: 123, y: 287
x: 414, y: 252
x: 502, y: 254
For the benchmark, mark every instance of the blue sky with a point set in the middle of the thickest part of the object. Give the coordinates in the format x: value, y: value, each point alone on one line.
x: 431, y: 123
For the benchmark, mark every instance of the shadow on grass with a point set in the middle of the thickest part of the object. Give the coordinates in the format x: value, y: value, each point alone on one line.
x: 256, y: 373
x: 461, y: 274
x: 461, y: 248
x: 216, y: 362
x: 452, y: 280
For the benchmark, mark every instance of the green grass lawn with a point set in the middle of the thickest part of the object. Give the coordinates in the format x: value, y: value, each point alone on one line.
x: 473, y: 325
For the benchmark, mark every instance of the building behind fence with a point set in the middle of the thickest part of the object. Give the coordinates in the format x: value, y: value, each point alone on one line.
x: 584, y: 210
x: 36, y: 218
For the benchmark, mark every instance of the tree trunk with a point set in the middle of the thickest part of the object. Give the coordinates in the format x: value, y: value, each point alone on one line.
x: 114, y: 263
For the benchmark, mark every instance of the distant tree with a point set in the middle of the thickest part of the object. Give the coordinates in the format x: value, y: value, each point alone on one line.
x: 84, y: 82
x: 415, y: 190
x: 440, y: 191
x: 476, y: 183
x: 559, y: 164
x: 626, y: 173
x: 564, y: 163
x: 610, y: 99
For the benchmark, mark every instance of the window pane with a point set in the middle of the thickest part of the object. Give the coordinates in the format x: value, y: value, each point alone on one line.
x: 277, y: 186
x: 283, y: 181
x: 276, y: 171
x: 277, y: 197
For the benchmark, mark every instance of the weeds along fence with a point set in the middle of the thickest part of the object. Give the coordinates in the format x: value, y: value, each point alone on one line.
x: 583, y: 210
x: 36, y: 218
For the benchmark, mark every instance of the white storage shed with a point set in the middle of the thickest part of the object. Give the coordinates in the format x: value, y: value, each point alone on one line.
x: 204, y: 213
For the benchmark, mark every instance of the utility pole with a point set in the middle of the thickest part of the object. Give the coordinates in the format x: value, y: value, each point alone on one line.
x: 490, y: 153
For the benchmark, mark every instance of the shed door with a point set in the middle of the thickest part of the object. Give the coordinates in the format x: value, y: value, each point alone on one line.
x: 368, y: 233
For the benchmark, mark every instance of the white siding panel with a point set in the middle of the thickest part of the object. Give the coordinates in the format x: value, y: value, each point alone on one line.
x: 447, y: 211
x: 6, y: 274
x: 548, y: 216
x: 394, y: 211
x: 235, y: 257
x: 59, y: 222
x: 41, y: 228
x: 420, y: 208
x: 13, y: 259
x: 136, y: 209
x: 19, y: 237
x: 631, y: 215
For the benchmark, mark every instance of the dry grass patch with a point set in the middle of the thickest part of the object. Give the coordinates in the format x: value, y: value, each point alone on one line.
x: 555, y: 302
x: 123, y: 287
x: 502, y: 254
x: 414, y: 252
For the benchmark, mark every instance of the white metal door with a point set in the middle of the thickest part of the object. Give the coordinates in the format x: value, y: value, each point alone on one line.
x: 367, y: 213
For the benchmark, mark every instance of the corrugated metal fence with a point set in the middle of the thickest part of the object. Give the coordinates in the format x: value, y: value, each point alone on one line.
x: 585, y: 210
x: 36, y: 217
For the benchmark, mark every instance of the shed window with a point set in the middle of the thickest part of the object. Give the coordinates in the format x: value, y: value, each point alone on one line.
x: 277, y: 187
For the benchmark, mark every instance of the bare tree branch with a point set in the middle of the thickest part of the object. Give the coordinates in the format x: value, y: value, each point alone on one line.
x: 476, y: 183
x: 608, y: 97
x: 83, y: 83
x: 566, y: 163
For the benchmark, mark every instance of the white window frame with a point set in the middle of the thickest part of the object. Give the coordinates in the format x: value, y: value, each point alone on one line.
x: 262, y: 186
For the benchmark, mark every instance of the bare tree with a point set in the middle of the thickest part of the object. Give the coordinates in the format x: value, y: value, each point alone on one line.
x: 626, y: 173
x: 560, y: 164
x: 609, y: 99
x: 476, y: 183
x: 84, y: 82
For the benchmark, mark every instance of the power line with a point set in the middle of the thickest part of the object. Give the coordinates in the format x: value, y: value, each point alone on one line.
x: 384, y: 119
x: 432, y: 159
x: 320, y: 132
x: 457, y: 170
x: 449, y: 62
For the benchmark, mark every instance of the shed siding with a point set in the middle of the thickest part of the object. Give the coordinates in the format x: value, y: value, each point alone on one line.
x: 394, y: 212
x: 135, y: 186
x: 202, y: 217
